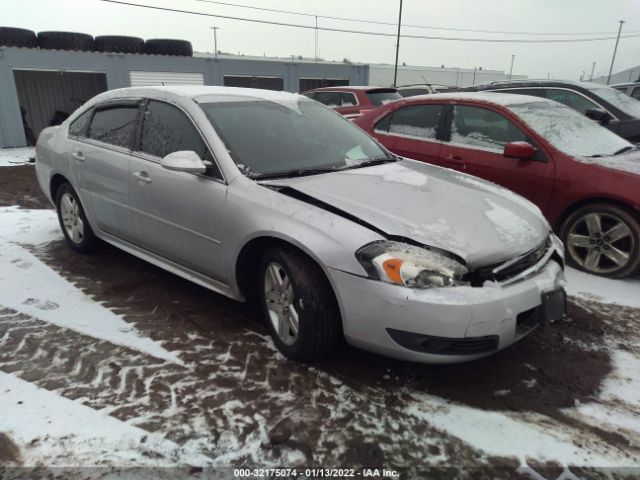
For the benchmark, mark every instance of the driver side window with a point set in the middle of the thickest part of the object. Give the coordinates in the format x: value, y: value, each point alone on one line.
x: 482, y: 128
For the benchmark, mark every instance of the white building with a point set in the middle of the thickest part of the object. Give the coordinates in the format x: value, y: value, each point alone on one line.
x: 382, y: 75
x: 625, y: 76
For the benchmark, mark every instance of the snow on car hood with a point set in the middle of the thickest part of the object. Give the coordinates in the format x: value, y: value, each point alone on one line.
x: 626, y: 162
x: 476, y: 220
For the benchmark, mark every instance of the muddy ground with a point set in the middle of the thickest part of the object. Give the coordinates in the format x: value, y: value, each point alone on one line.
x: 239, y: 400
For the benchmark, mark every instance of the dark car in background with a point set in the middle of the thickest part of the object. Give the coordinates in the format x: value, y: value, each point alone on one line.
x: 584, y: 178
x: 612, y: 108
x: 630, y: 88
x: 353, y: 101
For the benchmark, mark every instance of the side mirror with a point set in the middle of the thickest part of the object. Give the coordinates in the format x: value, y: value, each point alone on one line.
x: 598, y: 115
x: 521, y: 150
x: 184, y: 161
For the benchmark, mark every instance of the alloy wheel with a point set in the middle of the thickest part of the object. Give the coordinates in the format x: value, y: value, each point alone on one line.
x: 280, y: 298
x: 600, y: 242
x: 70, y: 214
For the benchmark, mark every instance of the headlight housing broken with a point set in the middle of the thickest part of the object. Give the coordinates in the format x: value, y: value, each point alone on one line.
x: 414, y: 267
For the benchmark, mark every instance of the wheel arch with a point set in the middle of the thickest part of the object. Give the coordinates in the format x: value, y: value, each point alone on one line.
x: 560, y: 219
x: 54, y: 184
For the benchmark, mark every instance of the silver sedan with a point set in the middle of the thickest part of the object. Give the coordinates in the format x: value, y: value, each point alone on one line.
x: 272, y: 197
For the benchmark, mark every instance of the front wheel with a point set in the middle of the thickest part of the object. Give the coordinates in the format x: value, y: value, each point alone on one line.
x: 298, y: 304
x: 73, y: 221
x: 603, y: 240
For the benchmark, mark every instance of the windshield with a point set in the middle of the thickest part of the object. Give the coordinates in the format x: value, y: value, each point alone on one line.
x: 380, y: 97
x: 628, y: 105
x: 569, y: 131
x: 265, y: 137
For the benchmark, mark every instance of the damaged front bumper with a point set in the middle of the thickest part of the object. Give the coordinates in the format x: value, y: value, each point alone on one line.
x: 445, y: 325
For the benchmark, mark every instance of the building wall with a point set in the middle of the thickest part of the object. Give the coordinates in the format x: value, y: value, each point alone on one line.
x: 382, y: 75
x: 625, y: 76
x: 116, y: 67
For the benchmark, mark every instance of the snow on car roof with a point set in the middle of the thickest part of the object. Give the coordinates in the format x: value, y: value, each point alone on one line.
x: 351, y: 87
x: 496, y: 98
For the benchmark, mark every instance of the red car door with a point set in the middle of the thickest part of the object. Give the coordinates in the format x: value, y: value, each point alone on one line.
x: 413, y: 132
x: 476, y: 146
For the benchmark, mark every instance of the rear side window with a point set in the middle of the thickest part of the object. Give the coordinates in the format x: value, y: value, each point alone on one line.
x: 166, y: 129
x: 114, y: 125
x: 380, y: 97
x: 635, y: 93
x: 417, y: 121
x: 330, y: 99
x: 78, y: 127
x: 483, y: 128
x: 571, y: 99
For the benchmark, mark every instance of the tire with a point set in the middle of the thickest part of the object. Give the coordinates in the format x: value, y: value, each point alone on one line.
x: 65, y: 41
x: 311, y: 299
x: 119, y: 44
x: 87, y: 242
x: 589, y: 248
x: 17, y: 37
x: 161, y: 46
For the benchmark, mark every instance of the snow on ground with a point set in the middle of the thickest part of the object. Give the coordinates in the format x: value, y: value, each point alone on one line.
x: 591, y: 287
x: 10, y: 157
x: 22, y: 276
x: 52, y: 430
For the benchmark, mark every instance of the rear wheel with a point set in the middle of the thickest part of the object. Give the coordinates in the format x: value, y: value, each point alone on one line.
x: 602, y: 239
x: 73, y: 221
x: 298, y: 305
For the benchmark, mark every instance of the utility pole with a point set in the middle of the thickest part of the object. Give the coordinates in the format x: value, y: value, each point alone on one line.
x: 474, y: 76
x: 215, y: 40
x: 615, y: 49
x: 513, y: 57
x: 395, y: 70
x: 593, y: 67
x: 316, y: 53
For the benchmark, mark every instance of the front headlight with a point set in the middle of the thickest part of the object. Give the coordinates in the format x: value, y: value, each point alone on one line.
x: 411, y: 266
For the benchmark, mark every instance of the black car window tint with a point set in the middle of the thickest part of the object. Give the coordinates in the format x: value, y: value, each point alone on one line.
x: 114, y: 125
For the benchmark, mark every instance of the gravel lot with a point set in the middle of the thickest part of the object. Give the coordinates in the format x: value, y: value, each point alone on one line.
x: 564, y: 397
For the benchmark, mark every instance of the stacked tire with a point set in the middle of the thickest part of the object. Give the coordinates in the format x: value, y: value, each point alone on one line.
x: 164, y: 46
x: 65, y: 41
x: 119, y: 44
x: 17, y: 37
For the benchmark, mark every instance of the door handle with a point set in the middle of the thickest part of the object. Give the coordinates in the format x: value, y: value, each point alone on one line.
x: 78, y: 155
x: 455, y: 162
x: 142, y: 177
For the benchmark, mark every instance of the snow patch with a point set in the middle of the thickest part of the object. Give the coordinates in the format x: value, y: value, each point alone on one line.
x: 55, y: 431
x: 32, y: 287
x: 10, y: 157
x: 604, y: 290
x: 393, y: 172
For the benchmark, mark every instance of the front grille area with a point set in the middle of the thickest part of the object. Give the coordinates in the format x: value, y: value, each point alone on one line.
x: 442, y: 345
x: 505, y: 270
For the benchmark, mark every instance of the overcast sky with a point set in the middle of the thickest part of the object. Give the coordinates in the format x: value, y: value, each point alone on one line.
x: 535, y: 60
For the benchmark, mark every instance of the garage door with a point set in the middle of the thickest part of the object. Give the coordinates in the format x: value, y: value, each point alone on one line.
x: 142, y: 79
x: 245, y: 81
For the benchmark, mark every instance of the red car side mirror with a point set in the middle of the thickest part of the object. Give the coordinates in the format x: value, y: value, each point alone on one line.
x: 522, y: 150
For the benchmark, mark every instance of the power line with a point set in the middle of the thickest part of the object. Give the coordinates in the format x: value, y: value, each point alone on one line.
x: 377, y: 22
x: 363, y: 32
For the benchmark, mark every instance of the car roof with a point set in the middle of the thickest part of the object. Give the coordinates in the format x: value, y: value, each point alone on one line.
x: 494, y: 98
x: 536, y: 82
x: 363, y: 88
x: 198, y: 92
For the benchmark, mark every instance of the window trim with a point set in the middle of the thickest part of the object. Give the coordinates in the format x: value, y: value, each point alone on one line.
x: 155, y: 159
x: 561, y: 88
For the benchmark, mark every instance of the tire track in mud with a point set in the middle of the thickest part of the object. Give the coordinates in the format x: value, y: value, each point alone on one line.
x: 235, y: 408
x: 240, y: 402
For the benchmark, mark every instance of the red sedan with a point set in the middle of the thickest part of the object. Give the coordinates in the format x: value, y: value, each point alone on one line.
x: 352, y: 102
x: 584, y: 178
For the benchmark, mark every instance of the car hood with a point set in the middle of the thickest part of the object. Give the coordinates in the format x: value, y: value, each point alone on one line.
x: 474, y: 219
